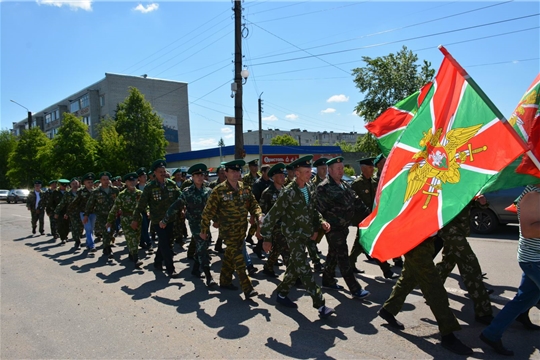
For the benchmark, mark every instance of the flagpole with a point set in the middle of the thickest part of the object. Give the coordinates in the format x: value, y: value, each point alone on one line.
x: 483, y: 96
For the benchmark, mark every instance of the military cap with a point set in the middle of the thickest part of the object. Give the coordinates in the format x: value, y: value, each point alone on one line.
x: 141, y: 171
x: 38, y: 182
x: 378, y: 159
x: 176, y: 171
x: 254, y: 162
x: 130, y: 176
x: 158, y: 163
x: 104, y: 173
x: 338, y: 159
x: 304, y: 161
x: 117, y: 178
x: 64, y: 182
x: 235, y: 164
x: 288, y: 167
x: 184, y: 173
x: 320, y: 161
x: 88, y: 176
x: 366, y: 161
x: 96, y: 182
x: 73, y: 179
x: 52, y: 182
x: 197, y: 169
x: 265, y: 167
x: 276, y: 169
x: 150, y: 173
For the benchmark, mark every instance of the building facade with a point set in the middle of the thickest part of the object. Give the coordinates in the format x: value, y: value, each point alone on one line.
x: 168, y: 98
x: 304, y: 137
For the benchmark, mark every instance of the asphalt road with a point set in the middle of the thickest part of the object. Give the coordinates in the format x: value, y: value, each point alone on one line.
x: 59, y: 303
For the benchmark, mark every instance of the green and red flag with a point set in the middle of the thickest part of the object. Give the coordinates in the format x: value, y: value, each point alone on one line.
x: 456, y: 142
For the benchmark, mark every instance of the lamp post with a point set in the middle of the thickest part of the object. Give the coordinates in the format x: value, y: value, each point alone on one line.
x: 29, y: 114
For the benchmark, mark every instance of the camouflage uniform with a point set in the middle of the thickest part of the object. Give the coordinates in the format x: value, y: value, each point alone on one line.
x: 219, y: 242
x: 126, y: 204
x: 248, y: 180
x: 194, y: 201
x: 338, y: 205
x: 312, y: 249
x: 279, y: 244
x: 37, y: 214
x: 100, y: 203
x: 75, y: 223
x: 45, y: 197
x: 456, y: 250
x: 159, y: 197
x: 299, y: 220
x: 230, y: 208
x: 78, y: 205
x: 61, y: 224
x: 419, y: 269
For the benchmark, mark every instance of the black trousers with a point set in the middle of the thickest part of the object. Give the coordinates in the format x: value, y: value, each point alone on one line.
x: 164, y: 254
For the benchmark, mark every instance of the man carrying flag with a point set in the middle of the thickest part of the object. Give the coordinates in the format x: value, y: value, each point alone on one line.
x: 442, y: 159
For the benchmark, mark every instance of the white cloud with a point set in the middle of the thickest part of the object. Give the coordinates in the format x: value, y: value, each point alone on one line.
x: 73, y: 4
x: 226, y: 130
x: 291, y: 116
x: 270, y: 118
x: 230, y: 136
x: 147, y: 9
x: 338, y: 98
x: 328, y: 111
x: 202, y: 143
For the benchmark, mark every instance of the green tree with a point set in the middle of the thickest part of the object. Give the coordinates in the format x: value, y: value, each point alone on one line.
x: 316, y: 143
x: 345, y: 146
x: 221, y: 142
x: 25, y: 163
x: 142, y: 131
x: 367, y: 144
x: 284, y: 139
x: 73, y: 150
x: 111, y: 149
x: 348, y: 170
x: 8, y: 143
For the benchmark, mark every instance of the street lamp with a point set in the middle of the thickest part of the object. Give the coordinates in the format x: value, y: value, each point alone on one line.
x: 29, y: 114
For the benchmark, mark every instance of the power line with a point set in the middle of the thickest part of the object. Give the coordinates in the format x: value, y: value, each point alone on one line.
x: 313, y: 12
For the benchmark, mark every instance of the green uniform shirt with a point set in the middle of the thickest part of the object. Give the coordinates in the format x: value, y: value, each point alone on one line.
x: 126, y: 203
x: 158, y: 197
x: 249, y: 180
x: 194, y: 200
x: 365, y: 189
x: 54, y: 201
x: 79, y: 203
x: 67, y: 199
x: 101, y: 202
x: 268, y: 199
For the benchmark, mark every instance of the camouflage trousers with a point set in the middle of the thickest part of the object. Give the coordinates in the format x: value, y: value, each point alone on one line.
x: 52, y: 224
x: 298, y: 267
x: 313, y: 252
x: 201, y: 250
x: 132, y: 236
x: 419, y: 269
x: 233, y: 259
x: 338, y: 254
x: 63, y: 227
x: 101, y: 230
x: 456, y: 250
x: 37, y: 216
x: 279, y: 247
x: 252, y: 230
x: 76, y: 226
x: 358, y: 249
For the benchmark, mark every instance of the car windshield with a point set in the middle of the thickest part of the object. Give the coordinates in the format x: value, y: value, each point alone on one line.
x: 22, y: 192
x: 3, y: 192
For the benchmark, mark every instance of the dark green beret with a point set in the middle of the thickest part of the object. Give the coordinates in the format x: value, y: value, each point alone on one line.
x: 38, y: 182
x: 88, y: 176
x: 176, y: 171
x: 320, y: 161
x: 254, y: 162
x: 158, y: 164
x: 304, y: 161
x: 235, y: 164
x: 378, y: 159
x: 52, y: 182
x: 64, y: 182
x: 366, y: 161
x: 130, y: 176
x: 278, y: 168
x: 338, y: 159
x: 104, y: 173
x: 141, y: 171
x: 197, y: 169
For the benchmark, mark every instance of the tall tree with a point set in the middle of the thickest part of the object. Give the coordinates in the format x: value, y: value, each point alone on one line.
x: 111, y: 149
x: 284, y: 139
x: 345, y: 146
x: 25, y: 163
x: 142, y: 130
x: 221, y: 142
x: 8, y: 143
x: 73, y: 150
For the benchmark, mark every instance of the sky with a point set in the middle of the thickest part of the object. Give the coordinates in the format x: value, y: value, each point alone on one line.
x: 300, y: 54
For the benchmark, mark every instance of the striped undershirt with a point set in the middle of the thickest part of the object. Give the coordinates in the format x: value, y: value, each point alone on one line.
x: 304, y: 191
x: 528, y: 248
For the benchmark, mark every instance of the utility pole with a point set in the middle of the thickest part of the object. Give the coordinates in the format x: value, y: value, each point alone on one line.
x: 238, y: 127
x: 28, y: 111
x: 260, y: 130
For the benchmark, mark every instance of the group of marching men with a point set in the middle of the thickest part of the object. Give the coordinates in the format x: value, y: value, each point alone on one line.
x: 288, y: 211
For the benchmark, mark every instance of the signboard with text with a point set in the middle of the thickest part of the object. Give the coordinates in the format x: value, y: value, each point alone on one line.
x: 274, y: 159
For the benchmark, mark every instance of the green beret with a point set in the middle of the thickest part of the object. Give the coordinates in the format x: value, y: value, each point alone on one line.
x: 36, y: 182
x: 338, y: 159
x: 64, y: 182
x: 52, y: 182
x: 276, y: 169
x: 197, y: 169
x: 304, y: 161
x: 158, y: 164
x: 131, y: 176
x: 235, y: 164
x: 320, y: 161
x: 378, y: 159
x: 254, y: 162
x: 367, y: 161
x: 104, y: 173
x: 88, y: 176
x: 141, y: 171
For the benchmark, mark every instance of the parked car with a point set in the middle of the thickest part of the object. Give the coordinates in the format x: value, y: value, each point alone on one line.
x: 3, y: 194
x: 486, y: 221
x: 16, y: 195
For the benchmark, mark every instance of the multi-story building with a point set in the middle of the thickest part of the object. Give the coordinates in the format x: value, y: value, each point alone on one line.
x: 304, y: 137
x: 168, y: 98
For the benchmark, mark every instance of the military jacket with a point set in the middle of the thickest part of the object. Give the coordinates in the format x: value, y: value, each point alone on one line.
x: 461, y: 224
x: 45, y: 197
x: 31, y: 201
x: 79, y: 203
x: 268, y: 199
x: 259, y: 186
x: 287, y: 180
x: 100, y: 203
x: 298, y: 218
x: 214, y: 183
x: 194, y: 200
x: 185, y: 184
x: 63, y: 207
x: 317, y: 180
x: 158, y: 198
x: 54, y: 201
x: 125, y: 203
x: 230, y: 206
x: 249, y: 180
x: 366, y: 190
x: 339, y: 204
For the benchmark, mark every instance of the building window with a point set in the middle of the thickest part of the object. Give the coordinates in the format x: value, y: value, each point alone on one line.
x: 85, y: 101
x: 74, y: 106
x: 48, y: 118
x: 102, y: 101
x: 86, y: 120
x: 57, y: 114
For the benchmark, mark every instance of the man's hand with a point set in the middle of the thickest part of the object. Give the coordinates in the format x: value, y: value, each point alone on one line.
x: 203, y: 236
x: 56, y: 216
x: 162, y: 224
x: 85, y: 220
x: 314, y: 236
x: 325, y: 226
x: 134, y: 225
x: 267, y: 246
x: 215, y: 225
x: 258, y: 234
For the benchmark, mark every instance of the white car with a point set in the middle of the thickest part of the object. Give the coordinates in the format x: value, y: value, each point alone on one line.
x: 3, y: 194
